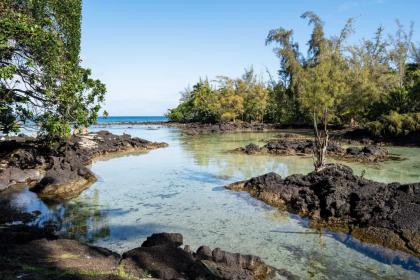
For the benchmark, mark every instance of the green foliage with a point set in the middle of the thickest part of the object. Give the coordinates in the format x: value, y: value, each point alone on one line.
x: 395, y: 124
x: 40, y: 77
x: 374, y: 83
x: 316, y: 81
x: 200, y: 104
x: 242, y: 99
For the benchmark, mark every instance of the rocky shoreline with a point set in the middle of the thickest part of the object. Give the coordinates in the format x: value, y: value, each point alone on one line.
x: 336, y: 199
x: 58, y: 171
x: 36, y: 254
x: 342, y: 134
x: 303, y: 146
x: 205, y: 128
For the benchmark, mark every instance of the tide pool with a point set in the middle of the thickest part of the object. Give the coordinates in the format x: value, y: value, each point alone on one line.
x: 180, y: 189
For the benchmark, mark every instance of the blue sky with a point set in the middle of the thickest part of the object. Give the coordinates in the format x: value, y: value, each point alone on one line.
x: 147, y: 51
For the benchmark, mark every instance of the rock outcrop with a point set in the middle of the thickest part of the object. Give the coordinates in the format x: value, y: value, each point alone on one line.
x: 335, y: 198
x: 160, y: 256
x: 58, y: 171
x: 301, y: 146
x: 204, y: 128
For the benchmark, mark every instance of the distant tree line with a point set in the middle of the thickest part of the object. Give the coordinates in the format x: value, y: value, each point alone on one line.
x: 225, y: 99
x: 41, y: 80
x: 374, y: 83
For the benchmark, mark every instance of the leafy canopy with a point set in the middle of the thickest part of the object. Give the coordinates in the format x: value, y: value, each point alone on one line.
x: 41, y: 80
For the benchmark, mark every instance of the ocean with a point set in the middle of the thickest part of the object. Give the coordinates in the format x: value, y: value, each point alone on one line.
x: 131, y: 119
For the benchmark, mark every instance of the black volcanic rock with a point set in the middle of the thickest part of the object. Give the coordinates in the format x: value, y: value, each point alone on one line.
x: 388, y: 214
x: 57, y: 171
x: 161, y: 255
x: 302, y: 146
x: 167, y: 239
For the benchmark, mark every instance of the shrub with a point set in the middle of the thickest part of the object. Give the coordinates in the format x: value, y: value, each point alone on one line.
x: 395, y: 124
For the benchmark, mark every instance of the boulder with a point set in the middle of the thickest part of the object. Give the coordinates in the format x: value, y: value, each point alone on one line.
x: 375, y: 151
x: 164, y: 238
x: 252, y: 149
x: 354, y: 151
x: 161, y: 255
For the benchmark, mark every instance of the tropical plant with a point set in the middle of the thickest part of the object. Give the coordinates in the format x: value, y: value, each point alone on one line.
x: 41, y: 80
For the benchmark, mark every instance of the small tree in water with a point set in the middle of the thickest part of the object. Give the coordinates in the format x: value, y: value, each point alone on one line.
x: 318, y: 79
x: 320, y: 141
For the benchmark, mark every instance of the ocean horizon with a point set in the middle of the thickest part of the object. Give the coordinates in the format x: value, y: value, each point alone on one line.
x: 131, y: 119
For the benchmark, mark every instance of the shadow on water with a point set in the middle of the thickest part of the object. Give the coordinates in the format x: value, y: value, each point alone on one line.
x: 201, y: 176
x: 379, y: 253
x: 140, y: 231
x: 84, y: 218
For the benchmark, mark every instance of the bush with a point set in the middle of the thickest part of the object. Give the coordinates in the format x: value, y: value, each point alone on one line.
x: 395, y: 124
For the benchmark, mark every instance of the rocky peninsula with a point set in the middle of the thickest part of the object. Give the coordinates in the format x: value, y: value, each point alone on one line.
x: 58, y: 170
x: 336, y: 199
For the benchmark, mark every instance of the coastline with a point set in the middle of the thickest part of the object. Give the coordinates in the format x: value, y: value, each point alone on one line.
x: 338, y: 200
x: 342, y: 134
x: 59, y: 172
x: 29, y: 252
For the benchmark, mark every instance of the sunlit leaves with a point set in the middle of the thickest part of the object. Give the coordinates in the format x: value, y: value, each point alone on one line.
x: 39, y: 66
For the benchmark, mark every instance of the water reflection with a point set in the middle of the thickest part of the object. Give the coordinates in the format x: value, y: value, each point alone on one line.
x: 82, y: 218
x: 215, y: 150
x: 379, y: 253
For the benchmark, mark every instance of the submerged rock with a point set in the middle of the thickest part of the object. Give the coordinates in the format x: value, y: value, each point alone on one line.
x: 386, y: 214
x: 58, y: 171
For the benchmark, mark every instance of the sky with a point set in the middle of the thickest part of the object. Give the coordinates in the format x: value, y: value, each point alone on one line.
x: 147, y: 51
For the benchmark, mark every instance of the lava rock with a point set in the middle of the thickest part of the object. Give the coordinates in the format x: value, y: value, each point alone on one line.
x: 161, y: 255
x: 164, y: 238
x: 57, y: 170
x: 252, y: 149
x: 304, y: 146
x: 388, y: 214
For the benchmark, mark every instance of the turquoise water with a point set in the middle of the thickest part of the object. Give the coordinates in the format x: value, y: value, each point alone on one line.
x: 30, y: 129
x: 131, y: 119
x: 180, y: 189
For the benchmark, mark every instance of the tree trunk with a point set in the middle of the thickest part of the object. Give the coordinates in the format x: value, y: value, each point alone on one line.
x: 320, y: 142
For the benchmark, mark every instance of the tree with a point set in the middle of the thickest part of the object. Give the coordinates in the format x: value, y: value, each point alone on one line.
x: 41, y: 80
x: 318, y: 80
x: 205, y: 104
x: 401, y: 46
x: 230, y: 99
x: 255, y: 95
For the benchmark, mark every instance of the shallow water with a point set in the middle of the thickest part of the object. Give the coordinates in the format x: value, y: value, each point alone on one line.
x: 179, y: 189
x: 131, y: 119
